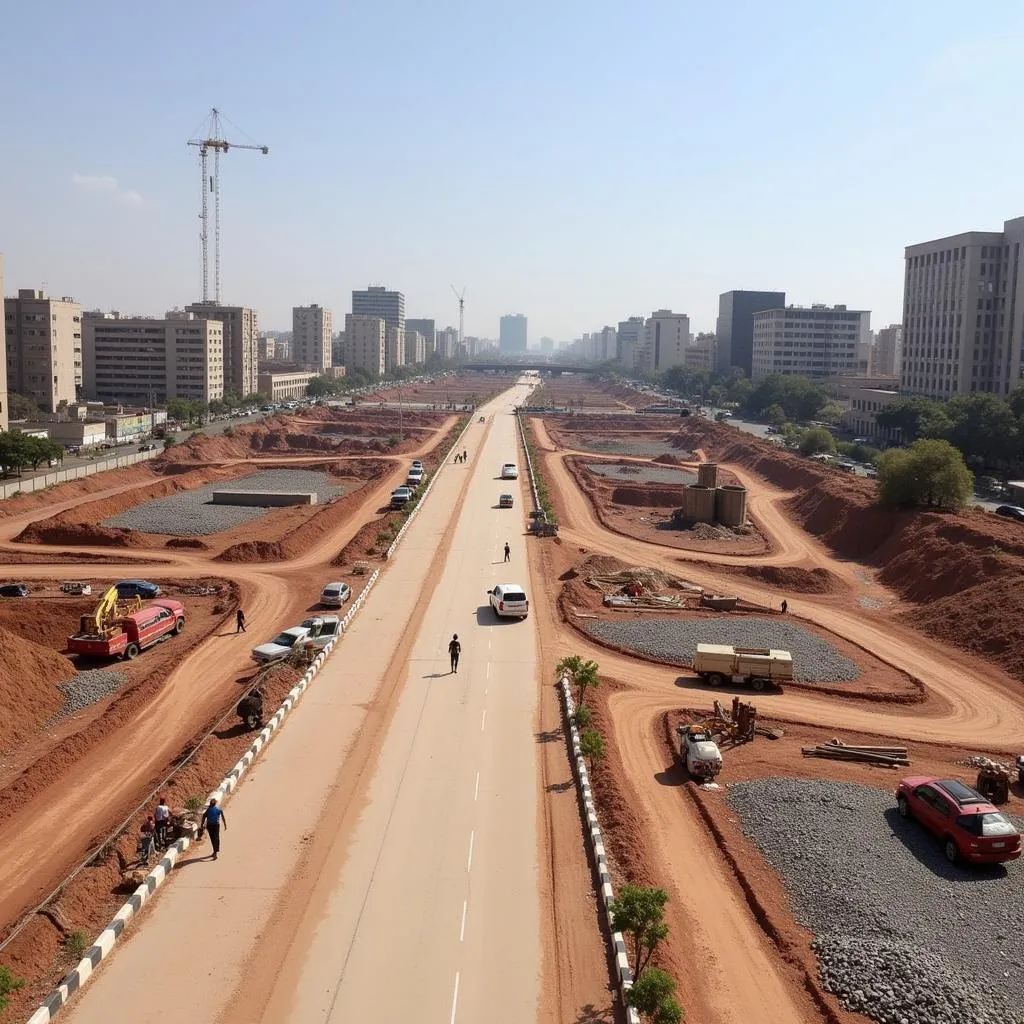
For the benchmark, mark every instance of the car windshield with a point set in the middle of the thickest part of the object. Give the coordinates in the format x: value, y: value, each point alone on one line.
x: 284, y: 639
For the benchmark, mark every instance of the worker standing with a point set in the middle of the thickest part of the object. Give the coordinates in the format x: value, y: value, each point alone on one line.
x: 240, y: 621
x: 162, y: 818
x: 213, y: 818
x: 454, y: 650
x: 785, y: 605
x: 508, y: 552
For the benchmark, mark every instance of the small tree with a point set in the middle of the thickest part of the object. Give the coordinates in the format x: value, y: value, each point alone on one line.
x: 592, y: 746
x: 929, y: 473
x: 582, y: 675
x: 653, y: 996
x: 638, y: 913
x: 582, y: 717
x: 816, y: 440
x: 8, y: 984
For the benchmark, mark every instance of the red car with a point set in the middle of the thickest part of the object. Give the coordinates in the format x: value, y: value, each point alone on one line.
x: 971, y: 828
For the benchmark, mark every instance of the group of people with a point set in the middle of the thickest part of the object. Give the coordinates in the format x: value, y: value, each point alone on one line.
x: 155, y: 833
x: 461, y: 456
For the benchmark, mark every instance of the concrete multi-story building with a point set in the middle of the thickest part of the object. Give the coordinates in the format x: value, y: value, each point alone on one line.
x: 338, y: 349
x: 279, y: 387
x: 415, y: 347
x: 312, y: 330
x: 283, y: 350
x: 700, y: 353
x: 241, y: 339
x: 547, y: 346
x: 376, y: 300
x: 4, y: 420
x: 629, y: 340
x: 605, y: 343
x: 364, y: 344
x: 734, y: 329
x: 864, y: 404
x: 394, y: 348
x: 429, y: 331
x: 887, y: 351
x: 512, y: 336
x: 141, y: 360
x: 812, y: 341
x: 266, y: 348
x: 963, y: 325
x: 44, y: 348
x: 447, y: 342
x: 665, y: 339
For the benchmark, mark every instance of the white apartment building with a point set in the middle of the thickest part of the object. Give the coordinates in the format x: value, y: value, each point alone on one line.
x: 44, y: 348
x: 963, y: 314
x: 141, y: 360
x: 241, y: 344
x: 312, y: 330
x: 364, y: 344
x: 887, y: 350
x: 812, y: 341
x: 447, y: 342
x: 629, y: 339
x: 665, y: 338
x: 865, y: 403
x: 394, y: 348
x: 415, y: 347
x: 3, y: 360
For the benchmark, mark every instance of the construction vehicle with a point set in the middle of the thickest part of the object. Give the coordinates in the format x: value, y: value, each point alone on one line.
x: 121, y: 628
x: 756, y: 667
x: 250, y: 709
x: 697, y: 749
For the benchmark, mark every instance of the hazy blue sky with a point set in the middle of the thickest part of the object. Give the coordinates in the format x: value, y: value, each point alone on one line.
x: 575, y: 161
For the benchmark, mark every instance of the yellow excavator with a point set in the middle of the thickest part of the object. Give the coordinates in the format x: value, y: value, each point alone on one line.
x: 106, y: 614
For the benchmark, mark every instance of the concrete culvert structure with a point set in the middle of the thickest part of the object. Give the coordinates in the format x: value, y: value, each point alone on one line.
x: 264, y: 499
x: 699, y: 503
x: 707, y: 474
x: 731, y: 505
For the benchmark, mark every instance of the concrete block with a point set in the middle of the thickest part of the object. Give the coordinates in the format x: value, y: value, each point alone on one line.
x: 264, y: 499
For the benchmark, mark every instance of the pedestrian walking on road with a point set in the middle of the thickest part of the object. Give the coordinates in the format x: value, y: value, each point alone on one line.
x: 784, y: 607
x: 508, y: 552
x: 464, y: 455
x: 162, y: 818
x: 454, y: 650
x: 213, y: 818
x: 239, y: 621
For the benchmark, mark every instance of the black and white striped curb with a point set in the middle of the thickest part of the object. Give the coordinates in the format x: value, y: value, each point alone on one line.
x: 529, y: 464
x: 593, y: 831
x: 105, y: 943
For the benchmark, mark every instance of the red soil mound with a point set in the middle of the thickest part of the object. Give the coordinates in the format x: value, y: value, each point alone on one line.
x: 786, y: 577
x: 647, y: 497
x: 29, y: 674
x: 191, y: 543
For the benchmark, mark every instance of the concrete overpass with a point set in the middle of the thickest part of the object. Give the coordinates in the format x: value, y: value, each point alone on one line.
x: 553, y: 368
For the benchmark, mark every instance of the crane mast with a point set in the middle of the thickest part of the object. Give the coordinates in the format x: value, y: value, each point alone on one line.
x: 461, y: 296
x: 212, y: 140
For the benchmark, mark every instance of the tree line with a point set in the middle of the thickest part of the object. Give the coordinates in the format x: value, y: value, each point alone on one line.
x: 19, y: 451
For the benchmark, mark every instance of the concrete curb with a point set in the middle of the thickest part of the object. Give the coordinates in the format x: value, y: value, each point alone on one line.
x: 529, y: 464
x: 423, y: 497
x: 104, y: 943
x: 596, y: 846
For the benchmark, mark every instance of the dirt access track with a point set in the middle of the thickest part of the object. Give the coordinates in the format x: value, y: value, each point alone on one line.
x: 878, y: 579
x: 63, y: 789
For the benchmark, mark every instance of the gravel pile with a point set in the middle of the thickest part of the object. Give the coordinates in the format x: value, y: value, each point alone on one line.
x: 88, y: 687
x: 636, y: 473
x: 190, y: 514
x: 902, y: 936
x: 627, y: 446
x: 814, y: 660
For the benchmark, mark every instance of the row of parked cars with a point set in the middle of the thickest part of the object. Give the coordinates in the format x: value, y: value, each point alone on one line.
x: 401, y: 496
x: 313, y: 633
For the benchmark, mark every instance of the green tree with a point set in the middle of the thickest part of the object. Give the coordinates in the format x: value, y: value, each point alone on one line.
x: 653, y: 996
x: 582, y: 675
x: 180, y: 409
x: 914, y: 417
x: 8, y: 984
x: 582, y: 717
x: 830, y: 413
x: 983, y: 426
x: 638, y: 913
x: 39, y: 450
x: 816, y: 440
x: 592, y: 746
x: 800, y: 397
x: 775, y: 415
x: 930, y: 473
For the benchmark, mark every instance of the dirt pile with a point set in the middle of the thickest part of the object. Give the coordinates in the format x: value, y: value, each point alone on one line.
x: 29, y: 674
x: 646, y: 497
x: 787, y: 578
x: 668, y: 459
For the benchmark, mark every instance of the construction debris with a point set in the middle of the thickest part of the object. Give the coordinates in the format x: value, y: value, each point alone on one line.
x: 993, y: 777
x: 739, y: 724
x: 977, y: 761
x: 837, y: 750
x: 651, y: 581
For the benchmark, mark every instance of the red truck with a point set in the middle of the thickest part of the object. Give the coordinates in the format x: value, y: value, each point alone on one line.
x: 105, y: 634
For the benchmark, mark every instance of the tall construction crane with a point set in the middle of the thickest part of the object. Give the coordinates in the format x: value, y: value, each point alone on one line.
x: 213, y: 141
x: 461, y: 296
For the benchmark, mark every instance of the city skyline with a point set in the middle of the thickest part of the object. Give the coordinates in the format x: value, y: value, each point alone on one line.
x: 843, y: 180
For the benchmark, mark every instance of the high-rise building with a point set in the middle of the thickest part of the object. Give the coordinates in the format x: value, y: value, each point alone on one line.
x: 734, y: 329
x: 266, y: 347
x: 814, y: 341
x: 512, y: 336
x: 376, y: 300
x: 4, y: 421
x: 605, y: 344
x: 962, y: 325
x: 415, y: 347
x: 394, y: 348
x: 427, y: 329
x: 628, y: 340
x: 312, y: 327
x: 140, y: 360
x: 547, y: 346
x: 338, y: 349
x: 447, y: 342
x: 666, y: 335
x: 241, y: 341
x: 44, y: 348
x: 364, y: 344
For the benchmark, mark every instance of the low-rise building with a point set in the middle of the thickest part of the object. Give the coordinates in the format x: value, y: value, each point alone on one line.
x: 700, y: 355
x: 279, y: 387
x: 78, y: 433
x: 334, y: 372
x: 865, y: 403
x: 132, y: 426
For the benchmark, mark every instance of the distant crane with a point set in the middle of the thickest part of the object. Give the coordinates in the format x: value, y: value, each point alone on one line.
x: 214, y: 140
x: 461, y: 296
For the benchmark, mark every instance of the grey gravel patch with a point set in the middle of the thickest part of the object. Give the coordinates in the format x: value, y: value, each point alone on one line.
x: 190, y: 514
x: 87, y: 688
x: 624, y: 446
x: 814, y: 659
x: 871, y: 603
x: 632, y: 472
x: 902, y: 936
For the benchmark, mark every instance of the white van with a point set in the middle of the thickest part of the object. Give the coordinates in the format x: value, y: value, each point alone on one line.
x: 509, y: 601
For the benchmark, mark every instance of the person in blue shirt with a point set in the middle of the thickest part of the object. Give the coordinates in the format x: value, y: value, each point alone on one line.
x: 213, y: 818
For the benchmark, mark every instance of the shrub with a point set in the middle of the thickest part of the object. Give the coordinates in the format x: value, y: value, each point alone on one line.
x: 8, y: 984
x: 75, y: 945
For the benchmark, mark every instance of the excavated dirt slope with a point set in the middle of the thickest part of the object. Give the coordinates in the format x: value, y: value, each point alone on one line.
x: 29, y: 674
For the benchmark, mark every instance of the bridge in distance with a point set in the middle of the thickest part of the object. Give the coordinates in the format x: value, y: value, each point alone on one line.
x: 553, y: 368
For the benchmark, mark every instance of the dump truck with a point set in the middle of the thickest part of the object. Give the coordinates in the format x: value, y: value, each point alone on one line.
x: 756, y: 667
x: 696, y: 748
x: 122, y: 628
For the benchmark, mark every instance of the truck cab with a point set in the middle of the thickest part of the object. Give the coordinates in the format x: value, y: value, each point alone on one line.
x: 697, y: 749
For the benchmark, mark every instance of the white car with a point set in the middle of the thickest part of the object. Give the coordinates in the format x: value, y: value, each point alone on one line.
x: 280, y: 646
x: 417, y: 464
x: 414, y: 477
x: 509, y: 471
x: 334, y: 595
x: 322, y: 629
x: 509, y: 601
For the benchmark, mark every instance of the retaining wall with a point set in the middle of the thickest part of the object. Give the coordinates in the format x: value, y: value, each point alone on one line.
x: 61, y: 476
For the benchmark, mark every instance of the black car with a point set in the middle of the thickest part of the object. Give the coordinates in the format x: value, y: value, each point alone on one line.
x: 137, y: 588
x: 14, y: 590
x: 1011, y: 512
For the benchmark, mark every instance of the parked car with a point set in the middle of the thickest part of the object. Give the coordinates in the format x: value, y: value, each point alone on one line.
x: 137, y: 588
x: 509, y: 471
x: 14, y: 590
x: 417, y: 464
x: 1011, y: 512
x: 968, y: 825
x: 414, y: 477
x: 280, y: 646
x: 322, y: 629
x: 400, y: 497
x: 509, y: 601
x: 76, y: 589
x: 334, y: 595
x: 147, y: 447
x: 506, y: 501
